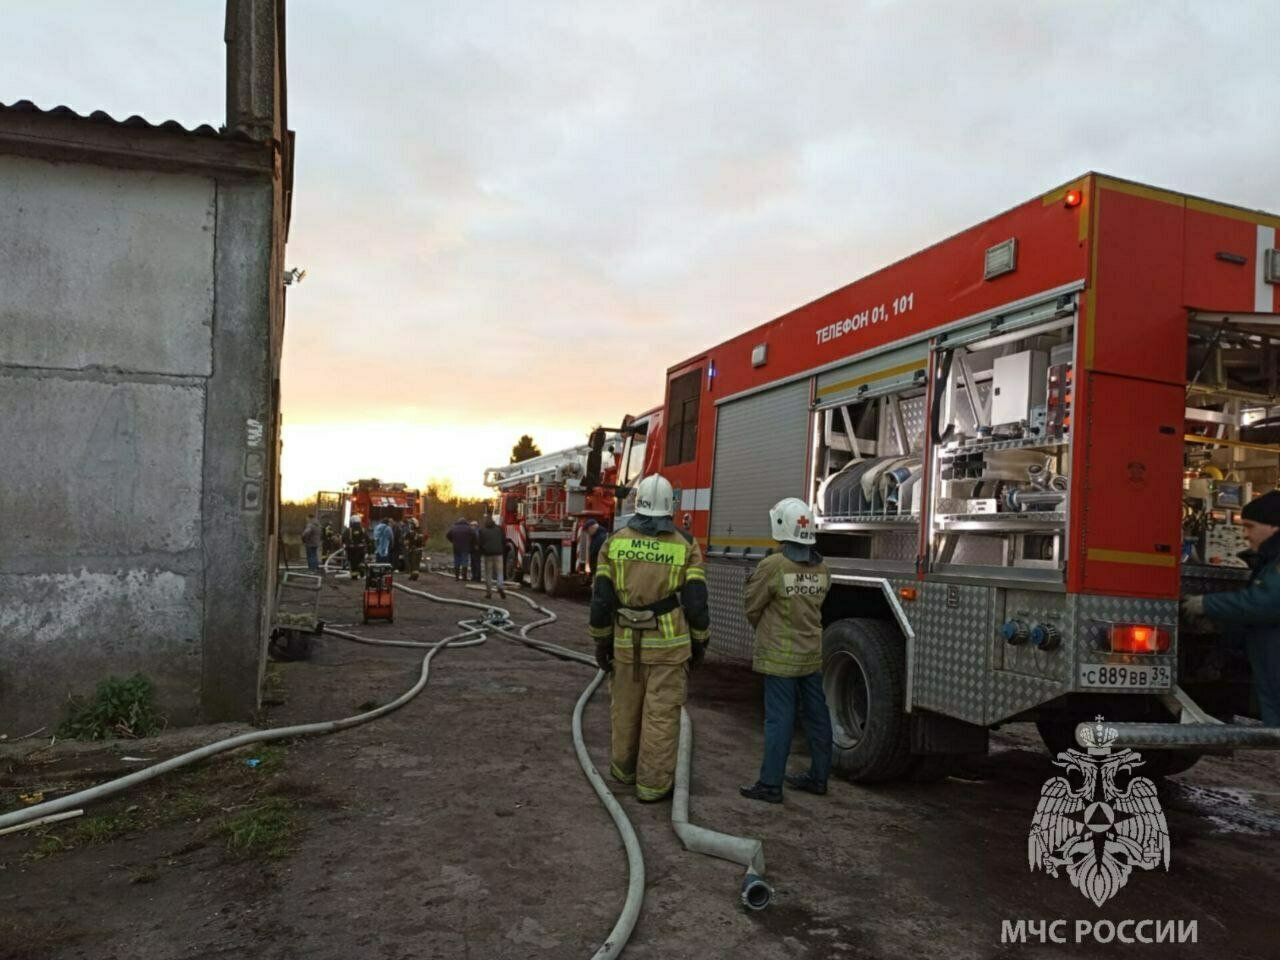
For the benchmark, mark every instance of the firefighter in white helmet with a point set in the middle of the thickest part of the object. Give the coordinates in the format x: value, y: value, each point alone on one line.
x: 650, y: 594
x: 784, y: 596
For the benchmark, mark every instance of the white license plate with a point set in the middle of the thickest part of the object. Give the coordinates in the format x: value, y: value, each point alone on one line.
x: 1119, y: 676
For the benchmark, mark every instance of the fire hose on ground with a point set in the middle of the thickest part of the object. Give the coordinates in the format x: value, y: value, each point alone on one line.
x: 474, y: 632
x: 756, y: 892
x: 469, y: 637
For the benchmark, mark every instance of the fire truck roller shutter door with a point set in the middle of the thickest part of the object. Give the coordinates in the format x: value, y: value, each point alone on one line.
x: 762, y: 445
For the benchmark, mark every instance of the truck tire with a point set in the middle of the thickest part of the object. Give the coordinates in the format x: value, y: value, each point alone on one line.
x: 1059, y: 734
x: 553, y: 580
x: 514, y: 573
x: 864, y: 678
x: 535, y: 569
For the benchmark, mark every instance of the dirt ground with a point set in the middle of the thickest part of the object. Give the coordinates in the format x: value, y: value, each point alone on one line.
x: 462, y: 827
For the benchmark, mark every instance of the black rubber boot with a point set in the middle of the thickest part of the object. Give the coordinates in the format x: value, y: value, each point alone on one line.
x: 762, y: 791
x: 802, y: 781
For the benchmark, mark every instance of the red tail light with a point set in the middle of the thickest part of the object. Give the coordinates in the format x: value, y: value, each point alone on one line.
x: 1140, y: 638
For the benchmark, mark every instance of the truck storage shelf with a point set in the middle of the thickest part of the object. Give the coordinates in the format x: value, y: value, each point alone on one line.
x: 1001, y: 522
x: 1023, y: 443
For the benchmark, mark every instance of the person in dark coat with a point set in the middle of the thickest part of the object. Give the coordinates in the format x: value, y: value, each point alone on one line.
x: 493, y: 549
x: 476, y: 562
x: 1254, y: 611
x: 460, y: 536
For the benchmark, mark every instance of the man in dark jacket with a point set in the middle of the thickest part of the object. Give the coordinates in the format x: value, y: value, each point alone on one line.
x: 355, y: 541
x: 1254, y: 611
x: 493, y: 550
x: 460, y: 536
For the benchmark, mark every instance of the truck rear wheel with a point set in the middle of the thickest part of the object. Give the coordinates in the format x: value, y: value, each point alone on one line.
x: 1059, y: 734
x: 535, y: 569
x: 514, y: 573
x: 863, y: 676
x: 552, y: 579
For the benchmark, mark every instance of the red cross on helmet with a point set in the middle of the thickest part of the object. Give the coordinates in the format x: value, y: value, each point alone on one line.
x: 792, y: 520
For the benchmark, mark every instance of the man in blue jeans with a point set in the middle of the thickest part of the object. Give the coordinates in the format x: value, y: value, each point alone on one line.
x: 784, y: 597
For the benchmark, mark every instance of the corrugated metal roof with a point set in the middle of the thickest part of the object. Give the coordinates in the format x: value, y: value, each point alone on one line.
x: 134, y: 122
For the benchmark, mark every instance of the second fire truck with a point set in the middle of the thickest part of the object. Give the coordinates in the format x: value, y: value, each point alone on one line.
x: 545, y: 502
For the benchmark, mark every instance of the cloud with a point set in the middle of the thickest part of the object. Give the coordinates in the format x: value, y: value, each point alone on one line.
x: 500, y: 203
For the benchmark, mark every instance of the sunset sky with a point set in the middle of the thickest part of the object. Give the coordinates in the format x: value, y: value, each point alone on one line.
x: 514, y: 216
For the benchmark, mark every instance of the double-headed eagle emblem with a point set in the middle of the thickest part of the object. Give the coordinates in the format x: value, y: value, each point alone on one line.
x: 1097, y: 831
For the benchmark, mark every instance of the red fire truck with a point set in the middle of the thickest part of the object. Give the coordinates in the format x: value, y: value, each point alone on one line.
x: 1022, y: 445
x: 373, y: 499
x: 544, y: 503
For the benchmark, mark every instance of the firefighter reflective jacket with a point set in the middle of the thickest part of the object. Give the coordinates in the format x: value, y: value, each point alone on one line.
x: 650, y: 594
x: 784, y: 604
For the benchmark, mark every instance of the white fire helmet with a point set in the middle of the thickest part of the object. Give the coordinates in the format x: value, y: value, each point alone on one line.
x: 654, y: 496
x: 791, y: 519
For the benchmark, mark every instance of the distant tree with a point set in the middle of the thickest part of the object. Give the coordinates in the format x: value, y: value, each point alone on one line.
x: 524, y: 449
x: 441, y: 490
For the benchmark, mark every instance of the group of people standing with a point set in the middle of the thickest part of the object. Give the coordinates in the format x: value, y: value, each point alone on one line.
x: 396, y: 542
x: 479, y: 548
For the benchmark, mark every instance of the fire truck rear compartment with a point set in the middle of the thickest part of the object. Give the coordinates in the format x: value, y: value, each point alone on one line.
x: 991, y: 634
x: 1231, y: 455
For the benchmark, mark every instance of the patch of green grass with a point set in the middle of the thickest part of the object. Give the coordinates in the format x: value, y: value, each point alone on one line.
x: 265, y: 829
x: 271, y: 760
x: 189, y: 805
x: 84, y: 832
x: 119, y: 707
x: 268, y: 830
x: 147, y: 874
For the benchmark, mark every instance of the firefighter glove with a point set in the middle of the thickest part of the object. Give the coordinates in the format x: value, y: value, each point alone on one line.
x: 699, y: 651
x: 604, y: 653
x: 1192, y: 607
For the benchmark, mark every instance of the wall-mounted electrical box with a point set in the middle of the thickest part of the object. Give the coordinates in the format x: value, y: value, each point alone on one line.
x: 1018, y: 383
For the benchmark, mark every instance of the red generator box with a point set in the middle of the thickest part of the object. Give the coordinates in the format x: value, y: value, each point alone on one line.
x: 378, y: 593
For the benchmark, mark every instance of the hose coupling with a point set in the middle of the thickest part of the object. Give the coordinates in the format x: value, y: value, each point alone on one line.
x: 756, y: 892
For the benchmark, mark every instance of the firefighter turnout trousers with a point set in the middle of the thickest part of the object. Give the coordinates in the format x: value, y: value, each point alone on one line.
x: 647, y: 698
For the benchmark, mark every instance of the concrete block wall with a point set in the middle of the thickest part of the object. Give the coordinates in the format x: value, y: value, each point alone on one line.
x: 135, y: 388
